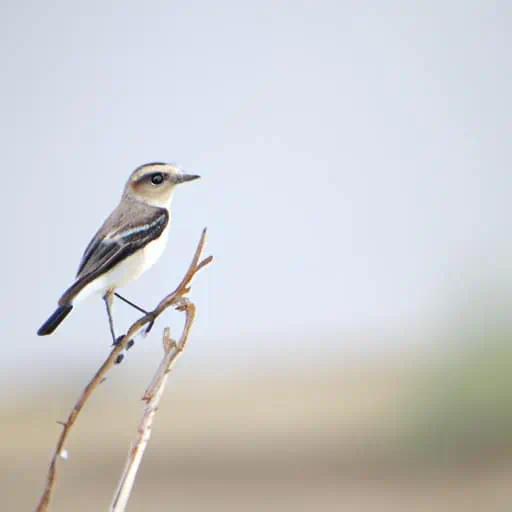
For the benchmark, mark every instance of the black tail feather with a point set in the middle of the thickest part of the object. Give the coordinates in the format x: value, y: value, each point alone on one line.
x: 54, y: 321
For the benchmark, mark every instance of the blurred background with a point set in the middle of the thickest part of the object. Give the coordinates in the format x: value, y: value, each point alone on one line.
x: 352, y: 349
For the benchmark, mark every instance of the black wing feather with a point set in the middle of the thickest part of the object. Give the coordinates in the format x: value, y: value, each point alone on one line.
x: 103, y: 254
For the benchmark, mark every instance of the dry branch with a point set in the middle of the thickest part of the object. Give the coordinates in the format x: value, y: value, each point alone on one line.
x: 152, y: 396
x: 176, y: 299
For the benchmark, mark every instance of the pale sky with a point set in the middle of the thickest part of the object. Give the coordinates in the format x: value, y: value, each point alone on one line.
x: 355, y: 163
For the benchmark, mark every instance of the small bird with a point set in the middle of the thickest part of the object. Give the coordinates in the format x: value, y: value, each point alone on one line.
x: 128, y: 243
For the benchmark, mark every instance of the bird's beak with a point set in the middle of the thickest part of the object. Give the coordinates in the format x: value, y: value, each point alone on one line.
x: 182, y: 178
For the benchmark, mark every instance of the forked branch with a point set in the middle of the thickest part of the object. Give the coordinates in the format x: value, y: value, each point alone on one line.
x: 176, y: 299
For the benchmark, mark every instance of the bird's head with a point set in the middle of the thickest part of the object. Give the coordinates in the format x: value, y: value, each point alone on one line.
x: 154, y: 183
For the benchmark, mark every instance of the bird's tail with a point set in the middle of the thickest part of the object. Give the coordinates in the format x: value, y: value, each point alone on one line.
x: 54, y: 321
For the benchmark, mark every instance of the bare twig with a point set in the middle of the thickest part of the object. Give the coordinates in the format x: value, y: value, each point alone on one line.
x: 173, y: 299
x: 152, y: 396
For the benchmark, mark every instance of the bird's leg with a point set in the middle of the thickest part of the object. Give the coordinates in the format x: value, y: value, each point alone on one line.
x: 130, y: 343
x: 108, y: 298
x: 138, y: 308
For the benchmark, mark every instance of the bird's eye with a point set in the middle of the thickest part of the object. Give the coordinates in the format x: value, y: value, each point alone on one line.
x: 157, y: 178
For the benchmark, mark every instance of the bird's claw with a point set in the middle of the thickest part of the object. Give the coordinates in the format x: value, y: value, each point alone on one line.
x: 151, y: 323
x: 118, y: 340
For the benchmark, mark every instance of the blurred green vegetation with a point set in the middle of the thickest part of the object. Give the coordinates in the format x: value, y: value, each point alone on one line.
x: 463, y: 409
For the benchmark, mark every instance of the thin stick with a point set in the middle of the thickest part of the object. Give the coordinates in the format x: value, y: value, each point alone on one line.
x: 152, y: 396
x: 172, y: 299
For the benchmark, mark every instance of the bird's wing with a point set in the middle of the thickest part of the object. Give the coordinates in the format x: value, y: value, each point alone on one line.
x: 123, y: 233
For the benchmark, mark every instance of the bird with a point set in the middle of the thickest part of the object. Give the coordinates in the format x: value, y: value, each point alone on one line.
x: 130, y: 241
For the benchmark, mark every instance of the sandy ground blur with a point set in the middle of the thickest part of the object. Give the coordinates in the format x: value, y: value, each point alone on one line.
x: 300, y: 441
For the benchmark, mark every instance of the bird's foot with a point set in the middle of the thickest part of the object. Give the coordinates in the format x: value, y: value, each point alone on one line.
x: 127, y: 347
x: 151, y: 323
x: 118, y: 340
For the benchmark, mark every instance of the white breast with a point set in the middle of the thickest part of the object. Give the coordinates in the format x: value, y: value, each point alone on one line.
x: 127, y: 270
x: 154, y: 250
